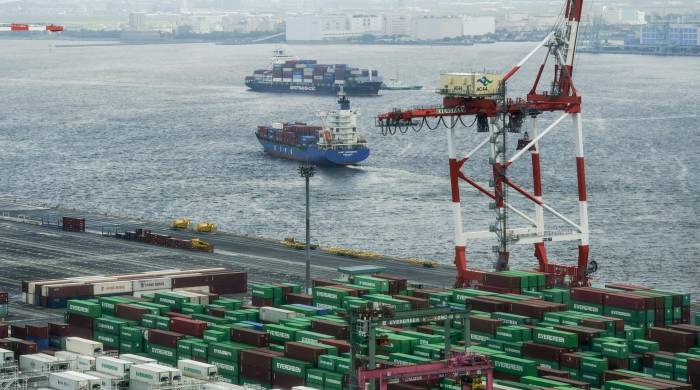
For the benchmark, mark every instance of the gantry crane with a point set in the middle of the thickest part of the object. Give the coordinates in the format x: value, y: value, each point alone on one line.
x: 484, y: 96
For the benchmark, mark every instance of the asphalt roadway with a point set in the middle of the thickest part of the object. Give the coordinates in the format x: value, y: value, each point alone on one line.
x: 30, y: 251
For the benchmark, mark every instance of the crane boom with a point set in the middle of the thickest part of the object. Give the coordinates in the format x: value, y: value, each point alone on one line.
x: 475, y: 94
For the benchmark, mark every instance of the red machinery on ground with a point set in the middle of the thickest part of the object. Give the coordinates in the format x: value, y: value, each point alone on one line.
x: 30, y: 27
x: 466, y: 366
x: 484, y: 96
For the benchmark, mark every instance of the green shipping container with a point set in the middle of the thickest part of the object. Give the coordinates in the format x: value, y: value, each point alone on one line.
x: 593, y: 364
x: 291, y: 367
x: 108, y: 325
x: 333, y: 381
x: 107, y: 303
x: 642, y: 346
x: 589, y: 308
x: 280, y: 333
x: 514, y: 366
x: 162, y: 354
x: 108, y: 339
x: 227, y: 351
x: 305, y: 335
x: 214, y: 336
x: 84, y: 308
x: 226, y: 368
x: 615, y: 350
x: 555, y: 337
x: 315, y: 378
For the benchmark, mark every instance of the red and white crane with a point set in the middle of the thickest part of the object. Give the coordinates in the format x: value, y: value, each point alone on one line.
x: 484, y: 96
x: 10, y: 27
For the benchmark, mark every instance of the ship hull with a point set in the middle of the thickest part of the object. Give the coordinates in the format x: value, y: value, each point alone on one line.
x: 362, y: 89
x: 314, y: 155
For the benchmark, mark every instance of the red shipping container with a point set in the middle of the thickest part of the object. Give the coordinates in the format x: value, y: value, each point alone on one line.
x: 163, y: 338
x: 216, y: 312
x: 257, y: 374
x: 284, y: 381
x: 588, y: 295
x: 546, y: 371
x: 569, y: 381
x: 4, y: 298
x: 185, y: 281
x: 258, y: 357
x: 335, y: 329
x: 38, y: 331
x: 484, y: 325
x: 416, y: 303
x: 322, y: 282
x: 627, y: 301
x: 82, y: 290
x: 542, y: 351
x: 570, y: 360
x: 18, y: 331
x: 672, y: 340
x: 78, y: 321
x: 694, y: 373
x: 4, y: 330
x: 499, y: 280
x: 249, y: 336
x: 26, y: 347
x: 304, y: 299
x: 125, y: 310
x: 626, y: 287
x: 188, y: 326
x: 585, y: 335
x: 172, y: 314
x: 59, y: 329
x: 342, y: 345
x: 260, y: 302
x: 304, y: 352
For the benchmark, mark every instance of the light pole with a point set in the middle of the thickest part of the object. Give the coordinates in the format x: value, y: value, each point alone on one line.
x: 307, y: 172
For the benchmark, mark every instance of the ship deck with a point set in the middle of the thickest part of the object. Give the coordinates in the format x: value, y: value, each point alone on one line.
x: 32, y: 251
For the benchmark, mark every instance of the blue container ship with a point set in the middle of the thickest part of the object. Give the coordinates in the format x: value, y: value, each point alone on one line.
x: 335, y: 143
x: 290, y: 74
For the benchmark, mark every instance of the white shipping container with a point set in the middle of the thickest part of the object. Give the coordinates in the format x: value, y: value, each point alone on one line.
x: 109, y: 382
x: 222, y: 386
x: 68, y: 357
x: 94, y: 381
x: 83, y: 346
x: 198, y: 294
x: 197, y: 370
x: 152, y: 374
x: 275, y: 315
x: 86, y: 363
x: 164, y: 283
x: 136, y: 359
x: 6, y: 356
x: 112, y: 366
x: 118, y: 287
x: 67, y: 381
x: 37, y: 362
x: 139, y: 294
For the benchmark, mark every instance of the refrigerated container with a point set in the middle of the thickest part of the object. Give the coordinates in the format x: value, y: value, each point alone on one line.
x: 136, y: 359
x: 112, y: 366
x: 72, y: 380
x: 151, y: 374
x: 83, y: 346
x: 197, y: 370
x: 86, y: 363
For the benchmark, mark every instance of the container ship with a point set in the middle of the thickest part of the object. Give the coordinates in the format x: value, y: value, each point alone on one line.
x: 290, y: 74
x: 335, y: 143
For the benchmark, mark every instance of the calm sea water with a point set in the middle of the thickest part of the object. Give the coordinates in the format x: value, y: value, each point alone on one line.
x: 165, y: 131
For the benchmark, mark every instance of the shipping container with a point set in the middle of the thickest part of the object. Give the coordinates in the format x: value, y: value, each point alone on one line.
x: 83, y: 346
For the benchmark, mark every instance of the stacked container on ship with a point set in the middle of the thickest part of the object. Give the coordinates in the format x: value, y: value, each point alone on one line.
x: 336, y: 143
x: 290, y: 74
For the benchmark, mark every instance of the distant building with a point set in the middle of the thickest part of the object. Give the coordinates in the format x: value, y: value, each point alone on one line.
x: 366, y: 24
x: 435, y: 27
x: 137, y: 21
x: 670, y: 34
x: 477, y: 26
x: 304, y: 28
x: 623, y: 15
x: 397, y: 25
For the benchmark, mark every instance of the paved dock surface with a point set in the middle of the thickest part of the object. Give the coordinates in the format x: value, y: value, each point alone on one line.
x: 31, y: 251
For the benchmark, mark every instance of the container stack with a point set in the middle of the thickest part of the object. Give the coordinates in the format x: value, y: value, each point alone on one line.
x: 536, y: 335
x: 309, y: 72
x: 296, y: 133
x: 4, y: 304
x: 57, y: 292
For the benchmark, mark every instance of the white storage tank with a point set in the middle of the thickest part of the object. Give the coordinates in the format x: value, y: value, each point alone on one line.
x: 112, y: 366
x: 83, y: 346
x: 197, y: 370
x: 275, y: 315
